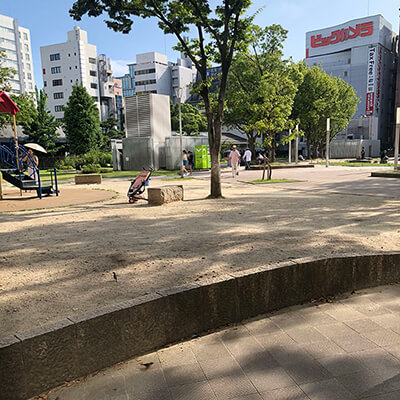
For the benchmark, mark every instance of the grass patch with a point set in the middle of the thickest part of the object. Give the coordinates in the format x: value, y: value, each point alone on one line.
x: 45, y: 175
x: 273, y: 180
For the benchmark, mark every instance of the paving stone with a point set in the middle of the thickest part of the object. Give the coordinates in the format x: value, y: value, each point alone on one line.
x: 184, y: 374
x: 176, y: 355
x: 256, y: 361
x: 262, y: 326
x: 323, y: 348
x: 145, y: 381
x: 362, y: 325
x: 382, y: 337
x: 244, y: 346
x: 194, y: 391
x: 225, y: 366
x: 254, y: 396
x: 307, y: 372
x: 230, y: 387
x: 394, y: 350
x: 305, y: 335
x: 386, y: 396
x: 288, y: 320
x: 152, y: 395
x: 341, y: 364
x: 377, y: 359
x: 364, y: 383
x: 316, y: 317
x: 209, y: 351
x: 275, y: 339
x: 327, y: 390
x: 289, y: 393
x: 334, y: 330
x: 372, y: 309
x: 291, y: 354
x: 235, y: 333
x: 267, y: 380
x: 353, y: 343
x: 343, y: 313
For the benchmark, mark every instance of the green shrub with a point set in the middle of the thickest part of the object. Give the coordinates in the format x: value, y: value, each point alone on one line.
x: 97, y: 157
x: 91, y: 169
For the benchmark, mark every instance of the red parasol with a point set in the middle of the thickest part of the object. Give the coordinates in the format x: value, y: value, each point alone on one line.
x: 7, y: 105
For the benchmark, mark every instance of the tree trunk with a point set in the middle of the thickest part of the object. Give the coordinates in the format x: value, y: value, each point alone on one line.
x: 273, y: 143
x: 251, y: 142
x: 215, y: 149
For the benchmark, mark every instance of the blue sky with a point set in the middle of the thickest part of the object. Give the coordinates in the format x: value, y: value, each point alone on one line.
x: 49, y: 21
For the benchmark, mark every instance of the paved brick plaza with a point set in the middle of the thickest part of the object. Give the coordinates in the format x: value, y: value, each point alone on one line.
x: 348, y: 349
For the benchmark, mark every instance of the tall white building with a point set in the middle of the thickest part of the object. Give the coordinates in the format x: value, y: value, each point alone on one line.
x: 15, y: 42
x: 64, y: 64
x: 154, y: 74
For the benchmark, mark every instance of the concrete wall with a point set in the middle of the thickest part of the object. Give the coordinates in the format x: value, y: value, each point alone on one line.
x: 173, y: 155
x: 139, y: 153
x: 38, y: 360
x: 352, y: 148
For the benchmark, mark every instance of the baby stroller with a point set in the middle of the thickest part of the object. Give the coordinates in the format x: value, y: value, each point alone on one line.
x: 138, y: 185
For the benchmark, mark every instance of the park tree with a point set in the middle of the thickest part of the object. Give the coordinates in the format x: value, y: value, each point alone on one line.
x: 193, y: 121
x: 43, y: 127
x: 26, y: 104
x: 6, y: 73
x: 261, y: 87
x: 110, y: 130
x: 321, y: 96
x: 219, y: 27
x: 82, y: 122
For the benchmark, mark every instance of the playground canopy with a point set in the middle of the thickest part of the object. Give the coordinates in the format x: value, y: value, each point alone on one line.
x: 7, y: 105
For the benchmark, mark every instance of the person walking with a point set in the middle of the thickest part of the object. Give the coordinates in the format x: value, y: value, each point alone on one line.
x: 185, y: 163
x: 191, y: 162
x: 247, y: 158
x: 234, y: 159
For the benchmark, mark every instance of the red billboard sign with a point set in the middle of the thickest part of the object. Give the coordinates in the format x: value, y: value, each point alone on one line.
x: 369, y: 106
x: 341, y: 35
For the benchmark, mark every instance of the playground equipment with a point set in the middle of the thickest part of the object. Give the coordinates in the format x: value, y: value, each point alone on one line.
x: 17, y: 166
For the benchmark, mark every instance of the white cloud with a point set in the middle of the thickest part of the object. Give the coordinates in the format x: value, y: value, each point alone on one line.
x: 120, y: 67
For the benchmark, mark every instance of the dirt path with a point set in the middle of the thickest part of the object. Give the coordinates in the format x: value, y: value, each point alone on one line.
x: 56, y: 263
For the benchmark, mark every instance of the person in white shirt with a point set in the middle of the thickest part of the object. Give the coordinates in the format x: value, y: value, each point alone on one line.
x: 247, y: 158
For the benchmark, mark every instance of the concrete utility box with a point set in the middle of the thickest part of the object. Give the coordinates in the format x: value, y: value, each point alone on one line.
x: 148, y: 124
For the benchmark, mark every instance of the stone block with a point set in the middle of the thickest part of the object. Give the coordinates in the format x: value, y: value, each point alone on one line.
x: 12, y: 376
x: 82, y: 179
x: 165, y: 194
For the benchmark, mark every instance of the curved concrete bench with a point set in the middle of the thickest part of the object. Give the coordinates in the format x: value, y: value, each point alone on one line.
x: 35, y: 361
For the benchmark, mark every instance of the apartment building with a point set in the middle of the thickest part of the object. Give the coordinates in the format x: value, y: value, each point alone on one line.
x: 15, y: 43
x: 64, y: 64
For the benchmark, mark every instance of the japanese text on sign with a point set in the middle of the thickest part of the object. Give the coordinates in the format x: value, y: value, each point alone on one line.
x: 341, y: 35
x: 369, y: 107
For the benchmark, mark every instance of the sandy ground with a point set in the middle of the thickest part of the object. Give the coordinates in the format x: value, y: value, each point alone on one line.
x: 59, y: 262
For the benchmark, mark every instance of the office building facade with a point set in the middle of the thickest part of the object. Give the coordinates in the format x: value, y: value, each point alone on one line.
x: 65, y: 64
x: 15, y: 43
x: 362, y: 53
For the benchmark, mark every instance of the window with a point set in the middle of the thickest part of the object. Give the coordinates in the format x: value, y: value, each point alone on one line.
x: 92, y: 60
x: 28, y: 66
x: 58, y: 108
x: 27, y: 57
x: 60, y: 119
x: 30, y: 85
x: 57, y: 82
x: 145, y: 71
x: 93, y: 85
x: 55, y: 57
x: 345, y: 73
x: 29, y: 76
x: 95, y: 98
x: 93, y: 73
x: 26, y: 47
x: 58, y: 95
x: 148, y: 82
x: 44, y: 83
x: 5, y: 29
x: 74, y: 54
x: 25, y: 36
x: 44, y: 71
x: 8, y: 41
x: 55, y: 70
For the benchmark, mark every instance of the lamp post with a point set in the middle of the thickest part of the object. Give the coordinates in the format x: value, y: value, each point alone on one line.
x: 396, y: 139
x: 178, y: 92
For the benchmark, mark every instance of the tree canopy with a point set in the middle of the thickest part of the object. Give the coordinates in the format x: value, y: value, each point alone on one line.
x: 27, y: 114
x: 6, y: 73
x: 321, y: 96
x: 42, y: 129
x: 82, y: 122
x: 219, y: 26
x: 110, y: 131
x: 192, y: 119
x: 262, y: 86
